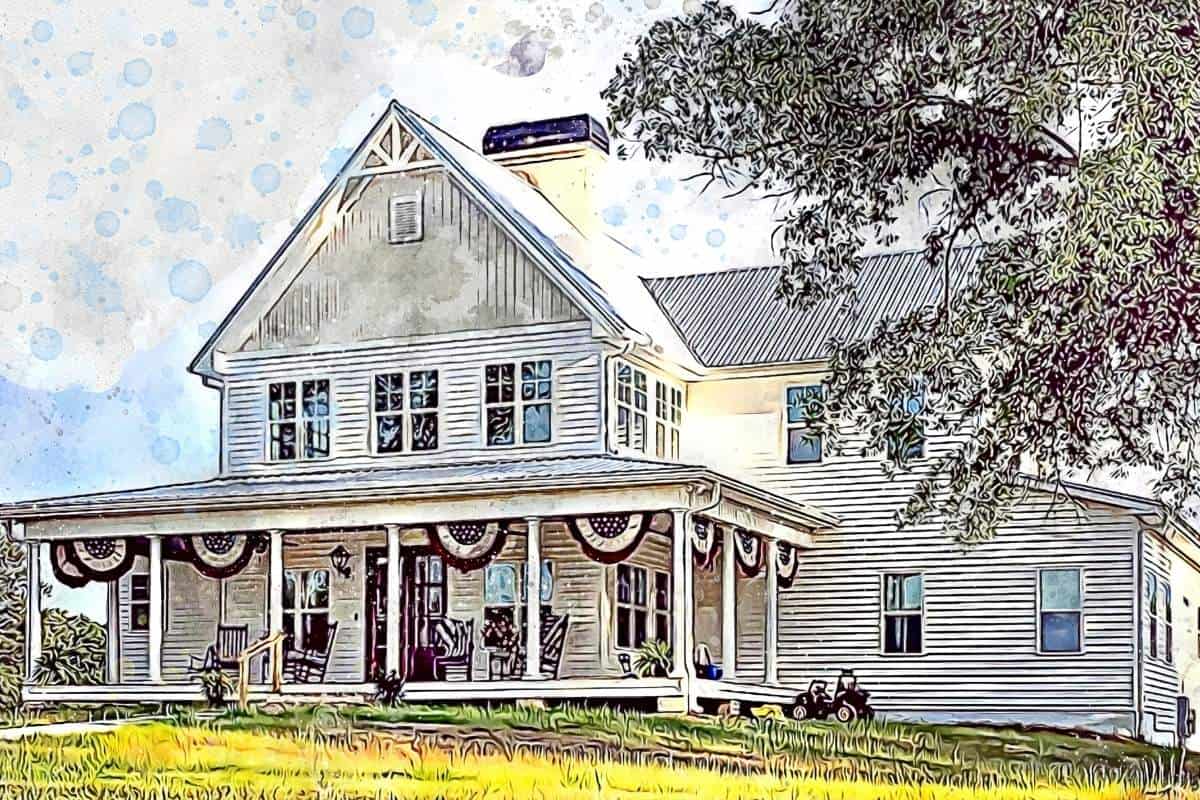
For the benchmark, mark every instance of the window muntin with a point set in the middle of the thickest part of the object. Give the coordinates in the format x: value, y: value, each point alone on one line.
x: 668, y: 417
x: 515, y: 414
x: 306, y: 608
x: 804, y: 407
x: 632, y: 403
x: 139, y: 602
x: 903, y: 613
x: 406, y: 421
x: 1060, y: 610
x: 299, y: 429
x: 643, y: 606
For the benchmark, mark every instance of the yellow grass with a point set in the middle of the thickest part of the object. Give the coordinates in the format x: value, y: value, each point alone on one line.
x: 165, y: 761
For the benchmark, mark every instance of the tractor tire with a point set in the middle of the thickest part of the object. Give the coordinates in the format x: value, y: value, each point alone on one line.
x: 845, y: 713
x: 800, y: 712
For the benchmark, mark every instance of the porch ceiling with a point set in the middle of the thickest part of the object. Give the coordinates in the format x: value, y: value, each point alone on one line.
x: 478, y: 490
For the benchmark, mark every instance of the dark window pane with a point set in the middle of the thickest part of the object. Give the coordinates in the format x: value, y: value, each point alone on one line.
x: 389, y: 392
x: 902, y: 634
x: 389, y: 434
x: 139, y: 588
x: 912, y: 633
x: 316, y: 438
x: 317, y: 589
x: 424, y: 386
x: 425, y: 432
x: 315, y: 631
x: 662, y: 591
x: 139, y: 617
x: 639, y: 586
x: 283, y: 441
x: 289, y: 628
x: 289, y: 590
x: 662, y: 628
x: 537, y: 423
x: 316, y: 398
x: 803, y: 447
x: 1060, y: 632
x: 639, y: 627
x: 500, y: 429
x: 624, y: 584
x: 624, y: 632
x: 282, y: 401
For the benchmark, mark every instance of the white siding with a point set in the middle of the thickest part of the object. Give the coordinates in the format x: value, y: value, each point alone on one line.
x: 460, y: 360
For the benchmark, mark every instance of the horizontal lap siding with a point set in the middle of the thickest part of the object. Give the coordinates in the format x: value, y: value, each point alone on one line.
x: 460, y: 361
x: 193, y: 612
x: 135, y: 645
x: 980, y: 604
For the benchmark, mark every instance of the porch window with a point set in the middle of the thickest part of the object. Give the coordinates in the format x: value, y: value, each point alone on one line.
x: 1060, y: 611
x: 402, y: 426
x: 632, y: 403
x: 514, y: 415
x: 643, y: 606
x: 298, y: 429
x: 306, y: 608
x: 804, y: 407
x: 668, y: 414
x: 139, y: 602
x: 504, y: 602
x: 903, y: 613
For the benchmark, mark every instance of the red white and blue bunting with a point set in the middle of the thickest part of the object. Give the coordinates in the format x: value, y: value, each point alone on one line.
x: 609, y: 538
x: 221, y: 555
x: 467, y: 546
x: 66, y: 570
x: 749, y: 549
x: 101, y: 559
x: 787, y: 559
x: 706, y: 543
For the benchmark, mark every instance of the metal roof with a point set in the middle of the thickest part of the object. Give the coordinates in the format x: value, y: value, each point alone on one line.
x: 400, y: 483
x: 735, y: 318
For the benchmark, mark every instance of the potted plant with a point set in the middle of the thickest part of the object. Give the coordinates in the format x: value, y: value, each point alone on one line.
x: 652, y: 659
x: 389, y: 689
x: 216, y: 684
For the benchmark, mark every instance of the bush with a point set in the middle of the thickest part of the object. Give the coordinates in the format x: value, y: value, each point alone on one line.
x: 389, y: 690
x: 652, y: 659
x: 73, y: 650
x: 216, y: 684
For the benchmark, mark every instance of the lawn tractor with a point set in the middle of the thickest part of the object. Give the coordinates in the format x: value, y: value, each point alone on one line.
x: 849, y: 702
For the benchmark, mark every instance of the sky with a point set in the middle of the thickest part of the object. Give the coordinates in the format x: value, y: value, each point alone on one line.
x: 154, y: 155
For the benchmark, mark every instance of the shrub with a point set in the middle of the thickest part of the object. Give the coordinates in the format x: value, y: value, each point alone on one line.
x: 73, y: 650
x: 389, y: 691
x: 216, y: 684
x: 652, y: 659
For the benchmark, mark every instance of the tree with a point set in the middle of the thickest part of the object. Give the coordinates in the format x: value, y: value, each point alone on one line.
x: 12, y: 619
x: 1060, y: 134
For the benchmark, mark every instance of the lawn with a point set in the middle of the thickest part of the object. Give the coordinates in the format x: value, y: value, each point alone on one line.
x: 431, y: 752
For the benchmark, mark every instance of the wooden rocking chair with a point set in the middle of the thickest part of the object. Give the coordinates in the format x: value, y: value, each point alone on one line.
x: 554, y: 641
x: 456, y: 641
x: 223, y: 653
x: 308, y: 666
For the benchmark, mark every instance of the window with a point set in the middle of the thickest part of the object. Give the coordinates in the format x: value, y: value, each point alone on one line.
x: 643, y: 606
x: 668, y: 414
x: 313, y: 423
x: 306, y: 608
x: 908, y: 441
x: 511, y: 416
x: 903, y: 612
x: 632, y: 402
x: 405, y: 219
x: 410, y: 426
x: 1168, y: 625
x: 1060, y: 611
x: 804, y: 407
x: 139, y: 602
x: 504, y: 601
x: 1152, y: 612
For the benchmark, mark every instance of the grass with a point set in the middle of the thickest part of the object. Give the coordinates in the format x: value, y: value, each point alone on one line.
x: 447, y: 752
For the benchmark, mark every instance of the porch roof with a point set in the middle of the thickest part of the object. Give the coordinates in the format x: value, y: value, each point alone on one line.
x: 349, y: 486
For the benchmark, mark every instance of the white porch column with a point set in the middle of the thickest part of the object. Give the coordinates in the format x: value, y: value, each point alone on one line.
x: 33, y: 609
x: 156, y: 609
x: 112, y: 628
x: 275, y: 585
x: 771, y: 639
x: 728, y: 603
x: 391, y: 662
x: 683, y: 611
x: 533, y: 598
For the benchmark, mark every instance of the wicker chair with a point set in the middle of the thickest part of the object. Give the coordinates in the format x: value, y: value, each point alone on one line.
x: 456, y: 646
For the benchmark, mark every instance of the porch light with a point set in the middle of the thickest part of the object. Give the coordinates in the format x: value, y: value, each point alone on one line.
x: 339, y: 559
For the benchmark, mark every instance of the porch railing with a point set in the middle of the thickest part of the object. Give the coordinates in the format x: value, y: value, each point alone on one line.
x: 273, y: 642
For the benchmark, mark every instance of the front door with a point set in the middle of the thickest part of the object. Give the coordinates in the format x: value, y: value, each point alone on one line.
x: 422, y: 606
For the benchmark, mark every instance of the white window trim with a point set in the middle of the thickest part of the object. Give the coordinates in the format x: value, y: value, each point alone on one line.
x: 406, y: 412
x: 788, y: 426
x: 298, y: 419
x: 650, y: 440
x: 1149, y: 626
x: 1037, y: 593
x: 672, y: 445
x: 518, y: 405
x: 884, y: 613
x: 651, y: 612
x: 130, y: 602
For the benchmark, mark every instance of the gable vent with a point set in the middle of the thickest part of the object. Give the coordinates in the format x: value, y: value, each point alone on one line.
x: 405, y: 219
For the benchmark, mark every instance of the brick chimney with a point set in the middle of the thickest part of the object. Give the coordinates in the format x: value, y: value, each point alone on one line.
x: 563, y: 157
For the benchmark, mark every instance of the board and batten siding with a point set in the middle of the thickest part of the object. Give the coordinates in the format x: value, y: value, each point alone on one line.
x: 460, y: 361
x: 980, y: 658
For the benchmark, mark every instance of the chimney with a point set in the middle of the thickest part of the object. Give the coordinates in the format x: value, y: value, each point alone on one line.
x: 563, y: 157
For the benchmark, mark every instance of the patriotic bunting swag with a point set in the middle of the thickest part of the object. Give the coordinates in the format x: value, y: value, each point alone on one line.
x: 787, y: 558
x: 609, y: 538
x: 468, y: 546
x: 65, y: 569
x: 749, y: 553
x: 706, y: 544
x: 101, y: 559
x: 220, y: 555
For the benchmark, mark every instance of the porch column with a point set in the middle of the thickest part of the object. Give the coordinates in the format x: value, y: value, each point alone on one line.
x: 683, y: 633
x: 771, y: 639
x: 533, y: 598
x: 156, y: 609
x: 391, y: 661
x: 112, y: 629
x: 275, y: 586
x: 728, y: 603
x: 33, y: 609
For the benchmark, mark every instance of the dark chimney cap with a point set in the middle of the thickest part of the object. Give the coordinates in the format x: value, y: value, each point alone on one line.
x: 540, y: 133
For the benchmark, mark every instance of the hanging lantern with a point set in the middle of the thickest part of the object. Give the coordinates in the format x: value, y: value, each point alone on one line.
x: 467, y: 546
x: 220, y: 555
x: 609, y: 538
x: 101, y: 559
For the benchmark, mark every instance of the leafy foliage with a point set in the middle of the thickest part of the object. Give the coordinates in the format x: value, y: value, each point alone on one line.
x: 1061, y: 135
x: 389, y: 690
x: 216, y: 685
x: 12, y: 620
x: 652, y: 659
x: 73, y: 650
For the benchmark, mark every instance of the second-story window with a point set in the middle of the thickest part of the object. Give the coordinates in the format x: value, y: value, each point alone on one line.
x: 518, y: 403
x: 405, y: 407
x: 298, y: 430
x: 632, y: 402
x: 668, y: 414
x: 804, y: 407
x: 907, y: 442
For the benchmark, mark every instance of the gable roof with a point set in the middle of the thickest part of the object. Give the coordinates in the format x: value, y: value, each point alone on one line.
x: 734, y: 318
x: 594, y: 273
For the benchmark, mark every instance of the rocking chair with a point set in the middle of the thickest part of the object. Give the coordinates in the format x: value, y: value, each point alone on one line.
x: 308, y: 666
x: 554, y: 641
x: 456, y: 646
x: 223, y: 653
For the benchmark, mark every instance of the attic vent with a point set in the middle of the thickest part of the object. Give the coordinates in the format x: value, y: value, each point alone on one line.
x: 405, y: 219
